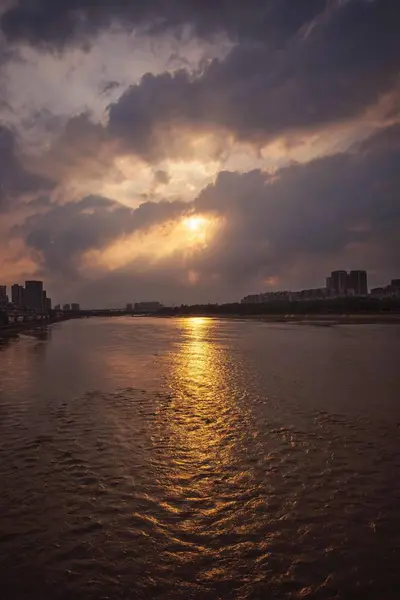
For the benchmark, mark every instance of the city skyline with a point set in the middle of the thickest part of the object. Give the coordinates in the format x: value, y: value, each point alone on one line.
x: 338, y: 288
x: 257, y: 152
x: 32, y: 296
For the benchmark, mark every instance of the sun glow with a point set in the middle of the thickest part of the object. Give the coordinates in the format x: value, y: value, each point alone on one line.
x: 196, y: 224
x: 197, y: 230
x: 191, y: 233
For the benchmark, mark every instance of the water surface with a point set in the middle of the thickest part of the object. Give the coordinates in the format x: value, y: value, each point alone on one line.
x: 200, y: 458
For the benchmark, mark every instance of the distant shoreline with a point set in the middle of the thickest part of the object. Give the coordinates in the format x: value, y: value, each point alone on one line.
x: 310, y: 319
x: 330, y: 319
x: 321, y: 320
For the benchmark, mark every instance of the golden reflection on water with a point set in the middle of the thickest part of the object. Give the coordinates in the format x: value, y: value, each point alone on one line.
x: 198, y: 418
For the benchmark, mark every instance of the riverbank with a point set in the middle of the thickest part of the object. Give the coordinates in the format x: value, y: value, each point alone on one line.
x: 14, y: 329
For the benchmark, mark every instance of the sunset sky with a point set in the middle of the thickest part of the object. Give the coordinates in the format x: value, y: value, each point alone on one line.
x: 197, y: 150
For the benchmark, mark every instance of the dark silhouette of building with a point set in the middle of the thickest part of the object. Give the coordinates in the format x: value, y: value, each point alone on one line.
x: 48, y: 304
x: 3, y: 294
x: 34, y: 294
x: 329, y: 284
x: 357, y: 284
x: 389, y: 291
x: 66, y: 307
x: 147, y: 307
x: 339, y: 283
x: 17, y: 294
x: 75, y: 306
x: 44, y: 300
x: 285, y: 296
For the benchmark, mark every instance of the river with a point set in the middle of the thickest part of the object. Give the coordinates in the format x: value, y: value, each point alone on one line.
x: 200, y: 459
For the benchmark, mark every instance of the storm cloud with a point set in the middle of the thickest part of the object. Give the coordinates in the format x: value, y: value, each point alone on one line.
x: 313, y: 210
x: 336, y: 70
x: 285, y: 136
x: 15, y: 179
x: 313, y: 213
x: 62, y: 234
x: 44, y: 22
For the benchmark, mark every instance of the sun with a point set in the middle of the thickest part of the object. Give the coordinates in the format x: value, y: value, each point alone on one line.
x: 197, y: 230
x: 196, y: 224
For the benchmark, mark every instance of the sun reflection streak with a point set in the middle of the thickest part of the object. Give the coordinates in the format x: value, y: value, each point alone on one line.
x: 198, y: 420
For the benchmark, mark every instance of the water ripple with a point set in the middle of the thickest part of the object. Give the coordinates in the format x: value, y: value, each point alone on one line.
x: 204, y: 488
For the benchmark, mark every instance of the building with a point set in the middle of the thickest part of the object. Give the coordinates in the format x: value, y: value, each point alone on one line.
x: 285, y: 296
x: 147, y: 307
x: 357, y: 283
x: 57, y: 307
x: 34, y: 294
x: 329, y: 285
x: 311, y: 294
x: 75, y: 307
x: 253, y: 299
x: 339, y: 283
x: 3, y: 294
x: 17, y: 295
x: 129, y: 306
x: 48, y: 304
x: 66, y: 307
x: 389, y: 291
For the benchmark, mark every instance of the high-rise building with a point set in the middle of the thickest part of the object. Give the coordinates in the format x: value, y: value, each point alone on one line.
x: 357, y: 283
x: 44, y: 300
x: 3, y: 294
x: 34, y: 294
x: 339, y: 282
x: 17, y: 294
x: 48, y: 304
x: 75, y: 307
x: 66, y: 307
x: 329, y: 284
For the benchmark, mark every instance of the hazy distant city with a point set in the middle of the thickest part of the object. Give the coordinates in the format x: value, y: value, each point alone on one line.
x: 339, y: 284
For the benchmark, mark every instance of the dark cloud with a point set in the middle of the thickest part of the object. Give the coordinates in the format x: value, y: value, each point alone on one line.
x: 306, y: 211
x: 63, y: 233
x: 81, y: 146
x: 15, y: 180
x: 56, y: 23
x: 306, y: 218
x: 330, y: 73
x: 294, y: 68
x: 332, y: 70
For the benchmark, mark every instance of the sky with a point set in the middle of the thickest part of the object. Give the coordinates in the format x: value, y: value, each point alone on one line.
x: 188, y: 151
